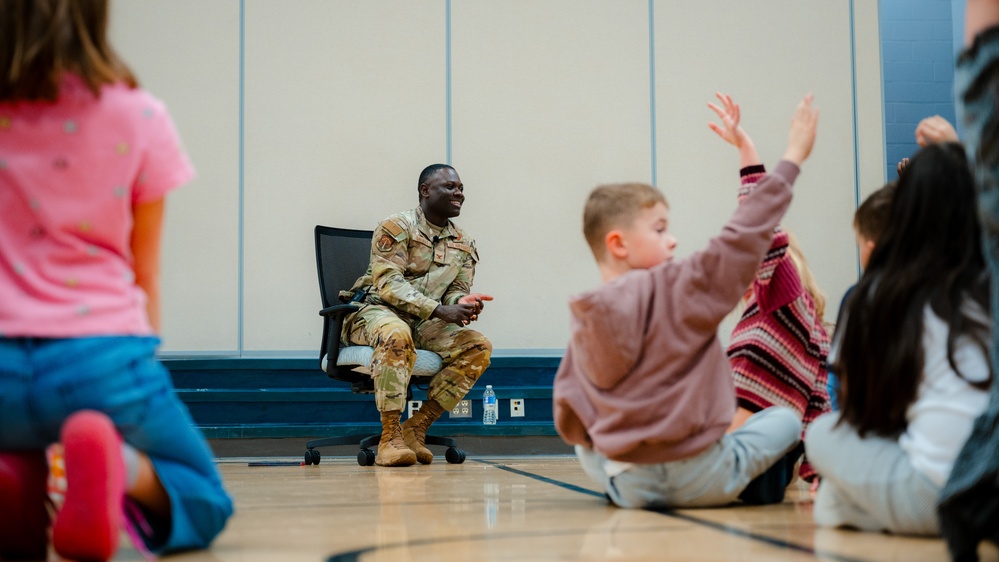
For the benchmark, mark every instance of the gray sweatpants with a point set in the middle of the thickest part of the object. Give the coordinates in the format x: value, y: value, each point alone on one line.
x: 712, y: 478
x: 868, y: 483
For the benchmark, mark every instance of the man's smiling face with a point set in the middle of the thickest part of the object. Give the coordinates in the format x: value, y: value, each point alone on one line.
x: 442, y: 196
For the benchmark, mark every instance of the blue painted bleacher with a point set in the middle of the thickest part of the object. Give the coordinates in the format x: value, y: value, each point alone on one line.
x: 279, y: 397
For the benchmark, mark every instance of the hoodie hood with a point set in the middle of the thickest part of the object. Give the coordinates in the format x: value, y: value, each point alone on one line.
x: 608, y: 328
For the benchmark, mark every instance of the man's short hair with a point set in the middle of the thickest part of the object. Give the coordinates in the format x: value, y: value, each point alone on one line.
x: 429, y: 171
x: 871, y: 217
x: 615, y: 206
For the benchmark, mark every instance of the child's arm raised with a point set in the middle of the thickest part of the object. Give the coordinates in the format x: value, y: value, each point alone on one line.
x: 750, y: 166
x: 718, y: 276
x: 801, y: 138
x: 777, y: 261
x: 731, y: 132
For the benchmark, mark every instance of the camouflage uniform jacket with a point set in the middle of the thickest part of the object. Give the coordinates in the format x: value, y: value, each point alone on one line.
x: 412, y: 274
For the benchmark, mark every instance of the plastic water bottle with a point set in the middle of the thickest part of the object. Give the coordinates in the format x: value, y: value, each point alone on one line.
x: 490, y: 409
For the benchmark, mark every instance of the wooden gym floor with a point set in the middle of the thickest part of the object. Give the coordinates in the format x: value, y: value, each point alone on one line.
x: 518, y: 508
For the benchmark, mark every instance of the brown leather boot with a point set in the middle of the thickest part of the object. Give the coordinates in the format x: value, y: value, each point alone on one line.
x: 392, y: 449
x: 414, y: 430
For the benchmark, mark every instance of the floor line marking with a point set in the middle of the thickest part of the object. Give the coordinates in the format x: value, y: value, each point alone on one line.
x: 354, y: 555
x: 670, y: 513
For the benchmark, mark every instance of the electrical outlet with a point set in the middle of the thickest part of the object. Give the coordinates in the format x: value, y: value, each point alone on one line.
x: 462, y: 410
x: 414, y: 406
x: 516, y: 407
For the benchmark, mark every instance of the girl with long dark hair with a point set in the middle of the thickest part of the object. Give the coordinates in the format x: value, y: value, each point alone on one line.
x: 912, y: 356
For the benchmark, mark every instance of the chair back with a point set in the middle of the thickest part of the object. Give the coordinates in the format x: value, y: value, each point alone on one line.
x: 342, y: 255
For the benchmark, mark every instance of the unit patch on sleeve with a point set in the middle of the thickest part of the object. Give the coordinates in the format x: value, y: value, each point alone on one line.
x: 385, y: 243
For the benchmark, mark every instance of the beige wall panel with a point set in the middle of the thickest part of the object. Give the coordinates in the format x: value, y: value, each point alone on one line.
x: 345, y: 104
x: 870, y: 99
x: 756, y: 51
x: 550, y: 98
x: 186, y: 52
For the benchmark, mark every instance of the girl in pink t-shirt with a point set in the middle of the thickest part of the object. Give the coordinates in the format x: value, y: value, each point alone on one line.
x: 86, y: 158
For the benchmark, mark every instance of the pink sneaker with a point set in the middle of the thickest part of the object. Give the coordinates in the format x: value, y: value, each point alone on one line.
x: 24, y: 519
x: 88, y: 525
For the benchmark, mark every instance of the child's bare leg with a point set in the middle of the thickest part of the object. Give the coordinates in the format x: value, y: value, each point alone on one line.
x: 979, y: 16
x: 144, y: 485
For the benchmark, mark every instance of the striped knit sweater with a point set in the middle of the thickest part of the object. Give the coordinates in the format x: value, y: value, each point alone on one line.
x: 779, y: 348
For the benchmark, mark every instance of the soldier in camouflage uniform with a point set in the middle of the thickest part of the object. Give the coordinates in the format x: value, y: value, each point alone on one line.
x: 417, y: 294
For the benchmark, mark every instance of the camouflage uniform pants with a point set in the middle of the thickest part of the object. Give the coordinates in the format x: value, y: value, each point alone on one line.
x: 465, y: 355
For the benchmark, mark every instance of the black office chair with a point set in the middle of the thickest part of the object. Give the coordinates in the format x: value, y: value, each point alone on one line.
x: 342, y: 255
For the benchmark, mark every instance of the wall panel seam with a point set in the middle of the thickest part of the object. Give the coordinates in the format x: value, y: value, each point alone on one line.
x: 856, y: 120
x: 652, y: 88
x: 447, y: 77
x: 242, y: 214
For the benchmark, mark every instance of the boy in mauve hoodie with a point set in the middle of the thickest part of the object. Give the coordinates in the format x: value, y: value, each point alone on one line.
x: 645, y: 389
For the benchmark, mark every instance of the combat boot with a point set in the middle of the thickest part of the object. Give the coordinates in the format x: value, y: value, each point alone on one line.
x: 392, y: 449
x: 414, y: 430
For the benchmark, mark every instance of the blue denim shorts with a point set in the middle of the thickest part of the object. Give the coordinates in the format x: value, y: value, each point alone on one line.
x: 43, y: 381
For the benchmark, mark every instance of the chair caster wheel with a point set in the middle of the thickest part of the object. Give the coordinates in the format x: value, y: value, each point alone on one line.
x: 312, y: 456
x: 366, y: 457
x: 454, y: 455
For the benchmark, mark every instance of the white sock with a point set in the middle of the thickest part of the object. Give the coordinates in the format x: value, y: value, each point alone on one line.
x: 131, y: 458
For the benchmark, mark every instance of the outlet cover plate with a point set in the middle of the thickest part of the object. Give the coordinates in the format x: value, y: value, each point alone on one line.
x: 462, y: 410
x: 517, y: 408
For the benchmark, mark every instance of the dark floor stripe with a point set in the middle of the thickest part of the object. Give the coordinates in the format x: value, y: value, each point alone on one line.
x: 355, y: 555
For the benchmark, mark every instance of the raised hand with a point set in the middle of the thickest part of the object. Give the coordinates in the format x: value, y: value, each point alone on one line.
x: 729, y: 130
x: 933, y: 130
x: 801, y: 137
x: 902, y: 165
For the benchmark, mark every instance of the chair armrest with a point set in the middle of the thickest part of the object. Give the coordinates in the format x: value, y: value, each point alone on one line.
x: 338, y: 309
x: 333, y: 317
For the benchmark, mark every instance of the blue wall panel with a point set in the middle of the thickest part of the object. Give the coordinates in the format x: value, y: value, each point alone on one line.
x: 917, y: 57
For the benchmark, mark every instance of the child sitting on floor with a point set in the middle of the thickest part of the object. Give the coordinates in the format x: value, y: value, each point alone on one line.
x: 779, y: 346
x: 644, y: 390
x: 869, y: 222
x: 912, y: 355
x: 86, y: 160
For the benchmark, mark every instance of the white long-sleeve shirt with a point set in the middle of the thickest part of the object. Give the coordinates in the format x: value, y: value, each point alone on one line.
x: 946, y: 405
